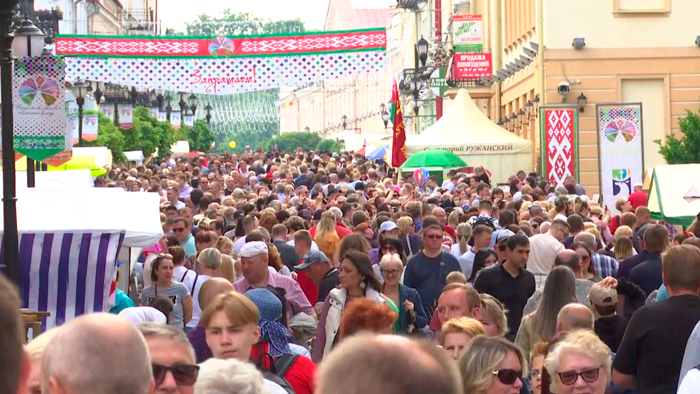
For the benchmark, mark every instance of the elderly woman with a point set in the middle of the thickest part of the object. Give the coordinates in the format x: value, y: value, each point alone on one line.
x: 356, y: 281
x: 580, y: 363
x: 457, y: 333
x: 412, y: 316
x: 35, y: 348
x: 492, y: 365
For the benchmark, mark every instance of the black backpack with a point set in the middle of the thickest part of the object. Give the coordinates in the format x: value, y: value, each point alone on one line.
x: 483, y: 220
x: 278, y: 368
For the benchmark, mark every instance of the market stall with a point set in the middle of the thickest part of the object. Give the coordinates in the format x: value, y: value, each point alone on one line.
x: 465, y: 131
x: 669, y: 186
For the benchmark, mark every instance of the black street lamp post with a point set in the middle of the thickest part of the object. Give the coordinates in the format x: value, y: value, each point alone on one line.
x: 168, y: 105
x: 80, y: 91
x: 193, y: 103
x: 9, y: 199
x: 182, y: 102
x: 209, y: 110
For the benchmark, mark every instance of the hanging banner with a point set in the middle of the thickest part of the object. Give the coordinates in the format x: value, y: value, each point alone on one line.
x: 235, y: 46
x: 153, y: 111
x: 126, y: 116
x: 226, y: 76
x: 108, y: 110
x: 468, y: 33
x: 175, y: 119
x: 621, y: 150
x: 72, y: 127
x: 559, y: 148
x: 90, y: 127
x: 162, y: 116
x: 39, y: 106
x: 189, y: 120
x: 469, y: 66
x: 437, y: 81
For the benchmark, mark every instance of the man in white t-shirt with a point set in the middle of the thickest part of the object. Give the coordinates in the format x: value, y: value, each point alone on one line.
x: 544, y: 249
x: 173, y: 196
x: 482, y: 240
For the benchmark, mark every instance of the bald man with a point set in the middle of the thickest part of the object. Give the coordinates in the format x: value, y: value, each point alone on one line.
x: 198, y: 338
x: 97, y: 353
x: 368, y: 364
x: 574, y: 317
x: 569, y: 259
x: 14, y: 361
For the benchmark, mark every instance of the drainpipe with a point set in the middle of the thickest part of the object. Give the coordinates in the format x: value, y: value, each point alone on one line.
x: 497, y: 55
x: 539, y: 5
x: 438, y: 36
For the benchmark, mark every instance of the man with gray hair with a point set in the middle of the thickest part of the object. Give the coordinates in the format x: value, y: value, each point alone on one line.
x: 172, y: 358
x: 97, y: 353
x: 14, y: 361
x: 603, y: 265
x: 574, y: 317
x: 229, y: 377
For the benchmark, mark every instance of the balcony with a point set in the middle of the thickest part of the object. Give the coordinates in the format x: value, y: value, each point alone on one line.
x: 138, y: 22
x: 411, y: 5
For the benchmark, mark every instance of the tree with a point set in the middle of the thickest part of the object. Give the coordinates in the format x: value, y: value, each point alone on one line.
x: 148, y: 134
x: 289, y: 142
x: 200, y: 136
x: 684, y: 150
x: 329, y: 145
x: 242, y: 23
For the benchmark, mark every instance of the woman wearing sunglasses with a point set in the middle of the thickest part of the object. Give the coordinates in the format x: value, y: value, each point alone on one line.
x: 580, y: 363
x: 492, y: 366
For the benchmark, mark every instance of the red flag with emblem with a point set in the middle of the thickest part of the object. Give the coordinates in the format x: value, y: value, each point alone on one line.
x: 398, y: 146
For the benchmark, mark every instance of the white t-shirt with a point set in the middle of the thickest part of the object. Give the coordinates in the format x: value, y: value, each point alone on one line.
x: 690, y: 383
x: 466, y: 261
x: 179, y: 205
x: 273, y: 387
x: 314, y: 247
x: 179, y: 273
x: 196, y: 309
x: 543, y: 251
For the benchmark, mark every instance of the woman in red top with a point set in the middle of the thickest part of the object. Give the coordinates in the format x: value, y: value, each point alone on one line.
x: 299, y: 371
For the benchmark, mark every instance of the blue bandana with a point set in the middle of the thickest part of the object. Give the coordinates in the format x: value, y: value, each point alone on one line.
x: 271, y: 330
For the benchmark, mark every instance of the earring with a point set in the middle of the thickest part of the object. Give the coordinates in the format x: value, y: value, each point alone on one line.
x: 363, y: 285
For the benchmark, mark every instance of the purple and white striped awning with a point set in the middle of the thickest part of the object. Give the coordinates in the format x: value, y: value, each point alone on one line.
x: 67, y: 274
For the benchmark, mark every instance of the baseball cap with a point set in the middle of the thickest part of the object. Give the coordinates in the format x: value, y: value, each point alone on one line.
x: 602, y: 296
x: 504, y: 235
x: 387, y: 226
x: 312, y: 257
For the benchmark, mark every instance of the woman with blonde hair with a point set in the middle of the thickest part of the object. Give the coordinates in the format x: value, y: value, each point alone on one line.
x: 275, y: 261
x: 411, y: 315
x: 623, y: 247
x: 458, y: 332
x: 579, y: 363
x: 453, y: 218
x: 327, y: 238
x: 410, y: 241
x: 227, y: 270
x: 492, y: 365
x: 464, y: 234
x: 35, y: 349
x: 493, y: 316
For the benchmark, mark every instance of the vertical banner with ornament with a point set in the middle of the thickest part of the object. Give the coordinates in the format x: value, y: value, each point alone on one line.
x: 620, y: 150
x: 108, y: 111
x: 189, y: 120
x: 162, y: 116
x: 468, y: 33
x: 39, y: 107
x: 559, y: 140
x: 153, y: 111
x: 175, y: 119
x: 126, y: 116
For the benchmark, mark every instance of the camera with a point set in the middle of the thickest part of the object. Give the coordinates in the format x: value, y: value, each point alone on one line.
x: 563, y: 88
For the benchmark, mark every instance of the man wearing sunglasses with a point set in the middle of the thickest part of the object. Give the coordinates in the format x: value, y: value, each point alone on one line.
x: 172, y: 359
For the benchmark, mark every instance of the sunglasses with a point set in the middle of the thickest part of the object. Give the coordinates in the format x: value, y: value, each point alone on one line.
x: 387, y: 248
x: 178, y: 230
x: 185, y: 375
x: 508, y: 376
x: 165, y: 255
x: 433, y: 236
x: 569, y: 378
x: 502, y: 248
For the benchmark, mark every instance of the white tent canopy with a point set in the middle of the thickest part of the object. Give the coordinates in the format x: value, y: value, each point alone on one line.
x: 693, y: 193
x: 135, y: 156
x: 465, y: 131
x: 669, y: 186
x: 90, y: 210
x: 56, y: 179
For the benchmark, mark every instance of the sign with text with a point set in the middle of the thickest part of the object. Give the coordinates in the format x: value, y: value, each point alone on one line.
x: 468, y: 33
x: 472, y: 65
x: 438, y: 83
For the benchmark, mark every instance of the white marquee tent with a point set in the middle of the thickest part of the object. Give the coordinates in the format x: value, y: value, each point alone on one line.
x: 471, y: 135
x: 670, y: 184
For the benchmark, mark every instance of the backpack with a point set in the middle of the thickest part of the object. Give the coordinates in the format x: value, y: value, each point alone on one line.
x: 278, y: 368
x: 486, y: 221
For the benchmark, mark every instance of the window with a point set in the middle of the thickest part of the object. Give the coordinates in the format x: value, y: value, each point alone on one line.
x: 641, y: 6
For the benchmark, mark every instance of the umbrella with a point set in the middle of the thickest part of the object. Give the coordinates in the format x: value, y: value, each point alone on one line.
x: 693, y: 194
x: 195, y: 154
x: 75, y: 163
x: 434, y: 158
x: 378, y: 153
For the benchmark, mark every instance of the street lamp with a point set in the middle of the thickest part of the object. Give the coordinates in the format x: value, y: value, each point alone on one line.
x: 9, y: 200
x: 182, y: 102
x: 168, y: 100
x: 307, y: 129
x: 159, y: 97
x: 209, y: 109
x: 193, y: 103
x: 536, y: 102
x: 134, y: 95
x: 382, y: 108
x: 98, y: 93
x: 582, y: 101
x: 80, y: 91
x: 529, y: 108
x: 344, y: 121
x: 422, y: 47
x: 521, y: 115
x: 386, y: 117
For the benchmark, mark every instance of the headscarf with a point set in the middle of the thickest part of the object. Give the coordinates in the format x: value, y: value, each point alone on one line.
x: 271, y: 330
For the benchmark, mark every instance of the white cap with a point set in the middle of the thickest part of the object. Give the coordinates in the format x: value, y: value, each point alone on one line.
x: 252, y: 249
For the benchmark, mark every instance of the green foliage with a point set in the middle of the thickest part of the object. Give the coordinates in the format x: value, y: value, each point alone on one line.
x: 329, y: 145
x: 148, y: 134
x: 235, y: 24
x: 289, y: 142
x: 200, y: 136
x: 684, y: 150
x: 108, y: 135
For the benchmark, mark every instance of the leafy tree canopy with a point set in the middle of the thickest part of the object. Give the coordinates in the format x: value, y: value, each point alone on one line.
x: 684, y: 150
x: 289, y: 142
x: 330, y: 145
x: 241, y: 23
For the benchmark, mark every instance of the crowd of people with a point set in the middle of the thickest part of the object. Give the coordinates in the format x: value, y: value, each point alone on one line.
x: 310, y: 272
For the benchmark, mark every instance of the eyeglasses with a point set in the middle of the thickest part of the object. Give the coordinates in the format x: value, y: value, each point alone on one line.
x: 390, y: 272
x: 185, y: 375
x: 569, y: 378
x: 508, y: 376
x: 433, y: 236
x: 535, y: 374
x: 179, y: 230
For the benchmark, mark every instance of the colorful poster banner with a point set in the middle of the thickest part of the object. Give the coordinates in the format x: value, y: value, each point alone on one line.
x: 189, y: 120
x: 468, y: 33
x: 226, y: 76
x: 72, y: 128
x: 153, y: 111
x: 175, y: 119
x: 621, y: 150
x: 162, y: 116
x: 126, y: 116
x: 108, y: 110
x: 472, y: 66
x: 90, y: 127
x: 39, y: 106
x: 559, y: 143
x: 235, y: 46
